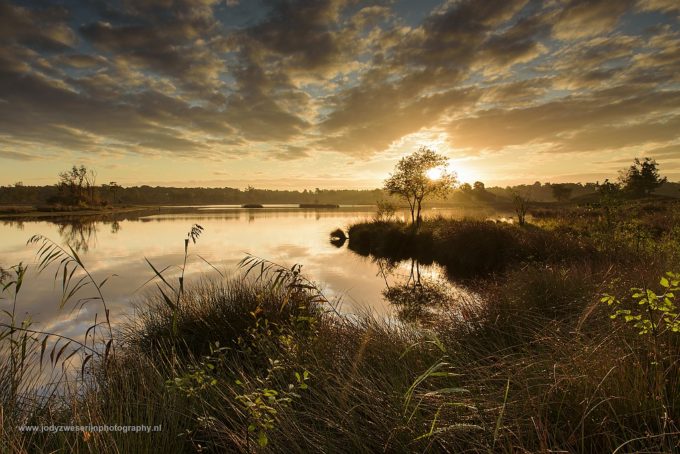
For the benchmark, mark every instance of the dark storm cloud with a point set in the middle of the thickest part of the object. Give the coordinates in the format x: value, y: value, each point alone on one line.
x: 179, y: 77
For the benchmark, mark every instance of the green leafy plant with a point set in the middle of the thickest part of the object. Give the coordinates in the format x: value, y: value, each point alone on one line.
x: 263, y: 403
x: 202, y: 375
x: 654, y: 313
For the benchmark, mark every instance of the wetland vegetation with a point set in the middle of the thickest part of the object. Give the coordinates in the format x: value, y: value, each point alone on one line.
x: 566, y: 338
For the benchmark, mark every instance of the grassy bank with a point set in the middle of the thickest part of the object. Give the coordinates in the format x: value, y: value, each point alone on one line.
x: 266, y: 365
x: 467, y: 248
x: 253, y: 368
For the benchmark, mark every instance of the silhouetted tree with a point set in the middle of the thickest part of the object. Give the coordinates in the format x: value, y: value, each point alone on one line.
x: 561, y: 192
x: 71, y: 184
x: 478, y: 186
x: 91, y: 184
x: 385, y: 210
x: 607, y: 188
x: 610, y: 200
x: 521, y: 205
x: 113, y: 188
x: 642, y: 178
x: 411, y: 182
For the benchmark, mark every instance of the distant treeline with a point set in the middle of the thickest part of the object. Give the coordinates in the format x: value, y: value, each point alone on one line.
x: 107, y: 194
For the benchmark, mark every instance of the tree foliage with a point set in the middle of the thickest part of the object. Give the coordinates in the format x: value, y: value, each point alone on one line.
x: 561, y: 192
x: 465, y: 187
x: 521, y: 205
x: 411, y: 182
x: 642, y: 177
x: 608, y: 188
x: 76, y: 186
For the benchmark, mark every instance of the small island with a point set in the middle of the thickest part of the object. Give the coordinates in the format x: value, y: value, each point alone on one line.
x: 252, y: 205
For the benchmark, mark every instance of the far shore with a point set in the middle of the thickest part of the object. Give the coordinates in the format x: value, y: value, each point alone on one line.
x: 17, y: 212
x: 28, y: 212
x: 20, y: 212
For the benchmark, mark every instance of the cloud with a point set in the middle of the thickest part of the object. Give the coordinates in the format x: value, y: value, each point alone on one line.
x: 666, y: 6
x: 302, y: 33
x: 583, y: 18
x: 288, y: 79
x: 559, y: 123
x: 170, y: 49
x: 41, y: 28
x: 16, y: 156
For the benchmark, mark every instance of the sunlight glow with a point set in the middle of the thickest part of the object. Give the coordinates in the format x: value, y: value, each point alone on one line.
x: 463, y: 175
x: 435, y: 173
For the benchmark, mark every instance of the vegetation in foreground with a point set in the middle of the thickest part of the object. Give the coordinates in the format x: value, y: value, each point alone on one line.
x: 558, y: 355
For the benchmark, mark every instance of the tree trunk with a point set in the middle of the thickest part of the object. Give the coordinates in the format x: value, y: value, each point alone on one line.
x: 419, y: 218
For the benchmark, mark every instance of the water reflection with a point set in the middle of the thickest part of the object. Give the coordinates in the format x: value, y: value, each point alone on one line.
x: 78, y: 234
x: 19, y: 225
x: 419, y: 297
x: 81, y: 233
x: 117, y: 245
x: 338, y: 238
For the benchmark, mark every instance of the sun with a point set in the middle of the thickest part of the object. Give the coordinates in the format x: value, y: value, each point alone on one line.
x: 435, y: 173
x: 462, y: 174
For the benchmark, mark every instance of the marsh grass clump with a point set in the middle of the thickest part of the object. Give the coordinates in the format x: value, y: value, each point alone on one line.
x: 467, y: 247
x: 254, y: 365
x: 258, y: 366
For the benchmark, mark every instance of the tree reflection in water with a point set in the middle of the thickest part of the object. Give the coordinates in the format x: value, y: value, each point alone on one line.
x: 81, y: 233
x: 78, y: 233
x: 419, y: 298
x: 19, y: 225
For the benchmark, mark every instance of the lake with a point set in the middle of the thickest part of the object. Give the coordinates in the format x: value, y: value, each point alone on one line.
x: 118, y: 245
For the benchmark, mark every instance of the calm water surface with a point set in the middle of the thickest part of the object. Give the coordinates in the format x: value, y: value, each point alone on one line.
x: 118, y: 248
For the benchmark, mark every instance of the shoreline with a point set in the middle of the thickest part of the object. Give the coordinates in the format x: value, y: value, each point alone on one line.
x: 34, y: 214
x: 27, y: 212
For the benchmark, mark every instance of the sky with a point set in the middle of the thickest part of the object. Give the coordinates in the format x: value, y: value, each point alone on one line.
x: 331, y: 93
